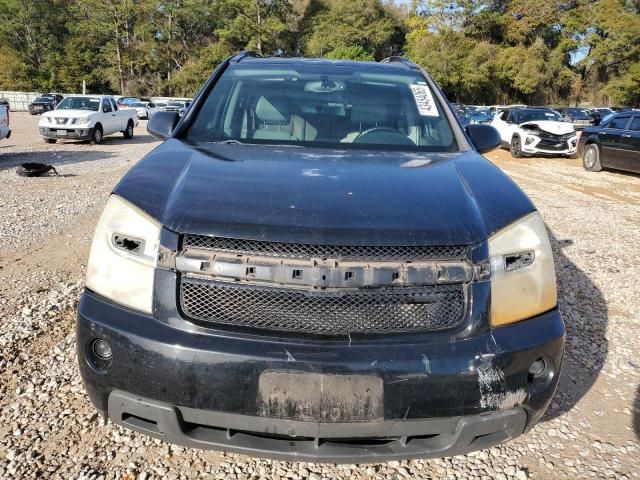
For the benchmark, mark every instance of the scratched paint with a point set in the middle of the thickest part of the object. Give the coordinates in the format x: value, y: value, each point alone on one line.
x: 494, y: 393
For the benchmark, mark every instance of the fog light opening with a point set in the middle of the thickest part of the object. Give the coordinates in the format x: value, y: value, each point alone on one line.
x: 101, y: 349
x: 540, y: 375
x: 538, y: 368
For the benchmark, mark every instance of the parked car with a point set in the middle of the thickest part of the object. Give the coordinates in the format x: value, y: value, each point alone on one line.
x: 378, y: 291
x: 535, y: 131
x: 128, y: 102
x: 87, y: 117
x: 578, y: 117
x: 614, y: 144
x: 462, y: 114
x: 145, y: 110
x: 5, y: 102
x: 5, y: 127
x: 480, y: 114
x: 176, y: 105
x: 45, y: 103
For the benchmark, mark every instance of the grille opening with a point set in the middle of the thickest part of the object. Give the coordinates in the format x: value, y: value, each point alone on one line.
x: 405, y: 254
x: 251, y: 271
x: 321, y: 311
x: 297, y: 274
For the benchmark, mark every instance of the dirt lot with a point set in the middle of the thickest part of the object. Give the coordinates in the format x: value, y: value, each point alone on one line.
x: 49, y: 430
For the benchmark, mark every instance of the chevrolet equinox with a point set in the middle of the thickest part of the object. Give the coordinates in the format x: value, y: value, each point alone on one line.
x: 318, y: 264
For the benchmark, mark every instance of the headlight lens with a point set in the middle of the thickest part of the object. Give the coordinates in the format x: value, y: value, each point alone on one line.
x: 80, y: 121
x: 123, y: 255
x: 523, y: 277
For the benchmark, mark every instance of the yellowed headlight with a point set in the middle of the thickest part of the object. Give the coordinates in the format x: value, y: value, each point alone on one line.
x: 523, y: 277
x: 124, y: 275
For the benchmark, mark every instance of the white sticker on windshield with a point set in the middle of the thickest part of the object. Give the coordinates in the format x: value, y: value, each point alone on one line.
x: 424, y: 101
x: 549, y: 114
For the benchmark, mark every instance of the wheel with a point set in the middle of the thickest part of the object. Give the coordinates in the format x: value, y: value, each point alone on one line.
x: 591, y: 158
x: 516, y: 148
x: 96, y: 139
x: 50, y: 140
x: 128, y: 133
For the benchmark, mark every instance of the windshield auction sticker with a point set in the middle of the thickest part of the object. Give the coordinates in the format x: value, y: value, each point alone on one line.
x: 424, y: 101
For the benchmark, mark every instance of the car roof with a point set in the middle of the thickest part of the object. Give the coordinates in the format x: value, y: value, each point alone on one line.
x: 386, y: 64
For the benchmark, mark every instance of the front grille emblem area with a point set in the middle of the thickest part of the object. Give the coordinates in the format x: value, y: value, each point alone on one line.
x: 287, y: 288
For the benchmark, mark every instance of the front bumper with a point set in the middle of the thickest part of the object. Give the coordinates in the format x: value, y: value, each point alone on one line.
x: 213, y: 389
x: 540, y: 146
x: 82, y: 133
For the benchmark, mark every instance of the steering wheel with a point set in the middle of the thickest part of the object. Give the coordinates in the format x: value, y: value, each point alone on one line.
x: 383, y: 135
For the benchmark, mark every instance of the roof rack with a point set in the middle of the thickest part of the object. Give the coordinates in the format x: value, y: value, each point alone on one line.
x: 399, y: 59
x: 244, y: 54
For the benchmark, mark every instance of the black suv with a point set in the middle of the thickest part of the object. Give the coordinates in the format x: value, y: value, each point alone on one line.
x: 319, y: 265
x: 45, y: 103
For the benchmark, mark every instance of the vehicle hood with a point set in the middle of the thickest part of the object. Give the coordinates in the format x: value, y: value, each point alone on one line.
x: 550, y: 126
x: 324, y: 196
x: 68, y: 113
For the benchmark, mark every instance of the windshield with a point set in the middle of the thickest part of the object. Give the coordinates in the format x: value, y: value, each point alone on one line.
x: 44, y: 99
x: 524, y: 115
x: 79, y: 103
x: 176, y: 104
x: 324, y: 105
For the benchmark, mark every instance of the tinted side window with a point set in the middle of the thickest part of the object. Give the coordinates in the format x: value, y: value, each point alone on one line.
x: 635, y: 124
x: 619, y: 122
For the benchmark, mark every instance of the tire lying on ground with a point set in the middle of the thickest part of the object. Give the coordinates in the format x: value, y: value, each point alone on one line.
x: 34, y: 169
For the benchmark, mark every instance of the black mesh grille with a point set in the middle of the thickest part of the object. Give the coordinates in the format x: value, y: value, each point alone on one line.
x: 323, y: 312
x: 338, y: 252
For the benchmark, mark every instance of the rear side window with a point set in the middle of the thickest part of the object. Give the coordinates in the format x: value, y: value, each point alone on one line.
x: 322, y: 105
x: 635, y: 124
x: 619, y: 122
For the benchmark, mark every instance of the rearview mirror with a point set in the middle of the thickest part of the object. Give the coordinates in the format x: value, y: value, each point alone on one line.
x: 162, y: 124
x: 484, y: 137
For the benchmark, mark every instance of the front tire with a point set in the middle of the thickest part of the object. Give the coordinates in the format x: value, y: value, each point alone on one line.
x: 96, y: 138
x: 516, y: 147
x: 50, y: 140
x: 591, y: 158
x: 128, y: 132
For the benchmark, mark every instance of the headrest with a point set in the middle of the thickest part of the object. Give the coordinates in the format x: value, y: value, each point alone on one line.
x: 369, y: 113
x: 274, y: 109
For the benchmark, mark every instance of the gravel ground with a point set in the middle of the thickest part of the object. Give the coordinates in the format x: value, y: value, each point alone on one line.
x: 49, y: 430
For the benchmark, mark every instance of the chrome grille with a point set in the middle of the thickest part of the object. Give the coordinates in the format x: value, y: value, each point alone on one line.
x: 337, y: 252
x: 323, y: 312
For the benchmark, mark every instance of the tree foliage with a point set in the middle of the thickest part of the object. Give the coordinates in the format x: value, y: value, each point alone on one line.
x: 480, y: 51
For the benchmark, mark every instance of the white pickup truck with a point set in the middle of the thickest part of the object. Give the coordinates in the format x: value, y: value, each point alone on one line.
x: 5, y: 131
x: 87, y: 117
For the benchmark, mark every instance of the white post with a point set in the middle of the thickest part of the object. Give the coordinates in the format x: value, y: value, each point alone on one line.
x: 84, y: 87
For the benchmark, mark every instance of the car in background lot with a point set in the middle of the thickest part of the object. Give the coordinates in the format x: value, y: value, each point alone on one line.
x: 5, y: 102
x: 319, y: 265
x: 5, y: 128
x: 614, y: 144
x: 87, y: 117
x: 127, y: 102
x: 578, y: 117
x: 44, y: 103
x: 176, y: 105
x: 535, y: 131
x: 145, y: 110
x: 479, y: 114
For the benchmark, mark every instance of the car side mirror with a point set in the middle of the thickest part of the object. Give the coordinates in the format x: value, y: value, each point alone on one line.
x: 484, y: 137
x: 162, y: 124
